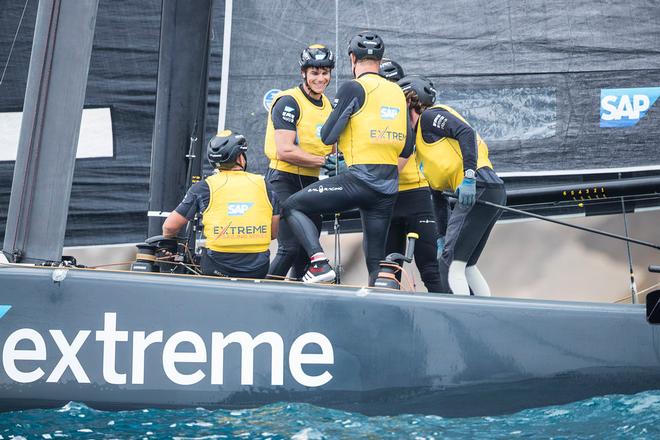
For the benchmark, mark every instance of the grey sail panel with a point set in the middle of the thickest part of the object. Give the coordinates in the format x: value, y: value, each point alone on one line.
x: 110, y: 194
x: 529, y: 76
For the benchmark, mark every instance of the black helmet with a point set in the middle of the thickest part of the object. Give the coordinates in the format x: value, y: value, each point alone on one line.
x: 391, y: 70
x: 224, y: 148
x: 421, y: 85
x: 317, y: 55
x: 366, y: 46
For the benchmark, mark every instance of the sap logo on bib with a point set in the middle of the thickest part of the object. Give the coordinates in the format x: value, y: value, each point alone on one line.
x: 318, y: 130
x: 388, y: 112
x: 238, y: 208
x: 625, y: 107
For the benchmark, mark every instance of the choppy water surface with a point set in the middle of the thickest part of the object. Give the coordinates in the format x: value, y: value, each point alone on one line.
x: 611, y: 417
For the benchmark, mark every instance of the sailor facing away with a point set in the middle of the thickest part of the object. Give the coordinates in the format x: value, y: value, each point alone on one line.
x: 240, y: 212
x: 413, y: 211
x: 455, y: 158
x: 293, y: 145
x: 370, y: 122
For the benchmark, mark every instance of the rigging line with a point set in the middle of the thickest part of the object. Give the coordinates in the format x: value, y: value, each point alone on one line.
x: 551, y: 220
x: 13, y: 43
x: 575, y: 204
x: 336, y: 46
x: 633, y: 285
x: 648, y: 289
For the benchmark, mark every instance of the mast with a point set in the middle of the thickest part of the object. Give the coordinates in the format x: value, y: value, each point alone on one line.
x: 52, y: 111
x: 179, y: 129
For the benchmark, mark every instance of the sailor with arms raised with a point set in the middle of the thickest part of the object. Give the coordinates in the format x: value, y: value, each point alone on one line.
x: 455, y: 158
x: 239, y: 212
x: 371, y: 124
x: 293, y: 145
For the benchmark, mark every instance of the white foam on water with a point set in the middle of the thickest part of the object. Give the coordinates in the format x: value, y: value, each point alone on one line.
x: 68, y: 407
x: 307, y: 434
x: 644, y: 403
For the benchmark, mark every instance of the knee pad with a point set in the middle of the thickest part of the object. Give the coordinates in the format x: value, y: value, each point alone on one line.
x: 476, y: 281
x: 456, y: 278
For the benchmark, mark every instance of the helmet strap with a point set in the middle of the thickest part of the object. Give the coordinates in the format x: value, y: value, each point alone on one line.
x: 353, y: 63
x: 308, y: 88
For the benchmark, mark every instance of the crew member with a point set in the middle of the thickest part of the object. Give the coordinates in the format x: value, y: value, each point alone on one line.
x: 455, y: 158
x: 239, y: 212
x: 413, y: 211
x: 293, y: 145
x: 371, y: 124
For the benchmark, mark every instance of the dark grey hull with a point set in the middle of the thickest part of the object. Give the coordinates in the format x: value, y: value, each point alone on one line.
x: 389, y: 353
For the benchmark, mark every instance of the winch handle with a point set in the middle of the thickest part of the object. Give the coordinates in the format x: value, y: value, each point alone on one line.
x: 410, y: 246
x: 655, y: 269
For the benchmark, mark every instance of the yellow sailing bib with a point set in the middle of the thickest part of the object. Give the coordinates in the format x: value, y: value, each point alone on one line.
x: 410, y: 176
x: 442, y: 161
x: 308, y: 132
x: 376, y: 133
x: 238, y: 218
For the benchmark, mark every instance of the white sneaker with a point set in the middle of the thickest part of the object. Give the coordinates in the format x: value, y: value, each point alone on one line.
x: 319, y: 272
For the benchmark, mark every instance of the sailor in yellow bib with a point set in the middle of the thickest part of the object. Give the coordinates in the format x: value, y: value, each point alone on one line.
x: 370, y: 122
x: 294, y: 146
x: 413, y: 211
x: 239, y: 212
x: 454, y: 158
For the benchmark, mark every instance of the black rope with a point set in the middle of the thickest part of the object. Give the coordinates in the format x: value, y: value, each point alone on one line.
x: 559, y: 222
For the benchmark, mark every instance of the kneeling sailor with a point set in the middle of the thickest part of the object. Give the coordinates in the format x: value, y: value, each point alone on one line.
x: 240, y: 212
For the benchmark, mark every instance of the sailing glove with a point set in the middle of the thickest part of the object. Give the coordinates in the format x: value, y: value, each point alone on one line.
x: 467, y: 192
x: 332, y: 166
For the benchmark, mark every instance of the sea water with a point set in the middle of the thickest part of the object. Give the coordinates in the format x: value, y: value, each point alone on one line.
x: 610, y: 417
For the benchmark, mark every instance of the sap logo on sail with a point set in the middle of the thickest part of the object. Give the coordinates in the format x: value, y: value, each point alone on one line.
x: 25, y: 354
x: 238, y: 208
x: 625, y: 107
x: 268, y: 98
x: 3, y: 310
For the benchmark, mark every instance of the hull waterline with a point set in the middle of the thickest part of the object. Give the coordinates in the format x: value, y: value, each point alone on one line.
x: 122, y: 340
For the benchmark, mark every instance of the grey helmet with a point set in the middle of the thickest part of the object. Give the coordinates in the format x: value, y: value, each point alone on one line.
x: 224, y: 149
x: 317, y: 55
x: 422, y: 86
x: 391, y: 70
x: 366, y: 45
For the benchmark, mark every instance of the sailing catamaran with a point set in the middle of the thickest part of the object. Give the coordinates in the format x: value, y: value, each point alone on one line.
x: 122, y: 339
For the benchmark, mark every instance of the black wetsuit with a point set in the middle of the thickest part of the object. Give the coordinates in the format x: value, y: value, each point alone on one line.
x: 466, y: 229
x: 290, y: 253
x: 230, y: 264
x: 413, y: 212
x: 370, y: 188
